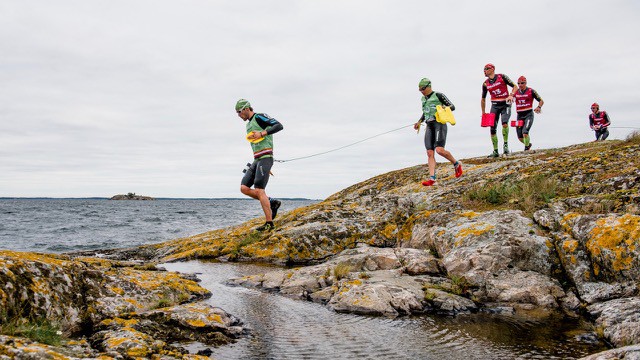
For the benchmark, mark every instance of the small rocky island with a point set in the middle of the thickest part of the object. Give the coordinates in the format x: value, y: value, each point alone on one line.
x: 131, y: 196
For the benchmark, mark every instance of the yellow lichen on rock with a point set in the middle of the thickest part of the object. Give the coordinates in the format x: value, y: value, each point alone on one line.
x: 475, y: 229
x: 569, y: 246
x: 196, y: 322
x: 469, y: 214
x: 389, y: 230
x: 615, y: 239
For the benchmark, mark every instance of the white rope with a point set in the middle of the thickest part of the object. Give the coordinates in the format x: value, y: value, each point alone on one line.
x: 345, y: 146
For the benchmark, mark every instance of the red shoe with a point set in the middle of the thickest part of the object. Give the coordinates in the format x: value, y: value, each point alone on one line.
x: 458, y: 170
x: 429, y: 182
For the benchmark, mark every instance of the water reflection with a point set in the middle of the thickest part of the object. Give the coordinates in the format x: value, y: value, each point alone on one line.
x: 283, y: 328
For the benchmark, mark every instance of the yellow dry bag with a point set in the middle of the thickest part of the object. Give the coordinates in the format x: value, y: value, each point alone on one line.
x: 444, y: 115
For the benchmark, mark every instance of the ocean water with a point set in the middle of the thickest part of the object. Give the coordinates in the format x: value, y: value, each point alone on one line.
x: 65, y: 225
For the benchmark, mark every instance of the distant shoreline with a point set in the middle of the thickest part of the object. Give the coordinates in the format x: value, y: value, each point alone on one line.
x: 158, y: 198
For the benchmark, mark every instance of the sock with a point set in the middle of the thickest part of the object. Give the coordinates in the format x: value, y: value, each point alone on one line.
x: 505, y: 134
x: 526, y: 141
x: 494, y: 140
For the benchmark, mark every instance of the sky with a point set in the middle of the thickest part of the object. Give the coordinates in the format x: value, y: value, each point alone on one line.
x: 101, y: 97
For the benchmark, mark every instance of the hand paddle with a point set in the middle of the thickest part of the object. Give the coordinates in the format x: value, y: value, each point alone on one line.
x: 254, y: 141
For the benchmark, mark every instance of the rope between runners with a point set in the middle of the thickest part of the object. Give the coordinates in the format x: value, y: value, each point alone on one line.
x: 345, y: 146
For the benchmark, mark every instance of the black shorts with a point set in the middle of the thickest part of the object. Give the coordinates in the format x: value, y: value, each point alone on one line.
x: 435, y: 135
x: 527, y: 116
x: 258, y: 173
x: 502, y: 111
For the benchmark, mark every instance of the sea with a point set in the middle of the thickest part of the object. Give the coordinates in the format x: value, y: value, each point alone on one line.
x: 68, y: 225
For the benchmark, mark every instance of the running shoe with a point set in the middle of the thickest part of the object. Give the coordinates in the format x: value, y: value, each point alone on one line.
x: 429, y: 182
x: 266, y: 227
x: 458, y: 169
x: 506, y: 149
x: 494, y: 154
x: 275, y: 205
x: 526, y: 148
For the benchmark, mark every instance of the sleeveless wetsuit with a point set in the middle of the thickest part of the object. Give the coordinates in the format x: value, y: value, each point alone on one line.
x: 435, y: 134
x: 258, y: 173
x: 497, y: 87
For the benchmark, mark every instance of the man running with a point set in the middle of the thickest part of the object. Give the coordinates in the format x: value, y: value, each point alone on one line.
x: 599, y: 122
x: 496, y: 85
x: 435, y: 135
x: 524, y: 97
x: 260, y: 129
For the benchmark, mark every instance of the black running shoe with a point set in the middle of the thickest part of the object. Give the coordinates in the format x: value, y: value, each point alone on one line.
x: 275, y: 205
x: 494, y: 154
x: 526, y: 148
x: 266, y: 227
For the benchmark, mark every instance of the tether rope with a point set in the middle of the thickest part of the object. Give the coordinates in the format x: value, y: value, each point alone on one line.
x: 345, y: 146
x: 387, y: 132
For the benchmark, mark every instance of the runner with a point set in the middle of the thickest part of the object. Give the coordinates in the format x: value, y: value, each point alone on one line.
x: 435, y: 135
x: 260, y: 129
x: 524, y: 97
x: 496, y: 85
x: 599, y: 122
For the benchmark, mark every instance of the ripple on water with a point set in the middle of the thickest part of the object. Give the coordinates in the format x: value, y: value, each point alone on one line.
x: 284, y: 328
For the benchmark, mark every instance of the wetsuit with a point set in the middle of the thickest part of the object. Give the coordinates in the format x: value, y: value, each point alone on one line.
x: 524, y: 109
x: 258, y: 173
x: 435, y: 134
x: 497, y: 87
x: 599, y: 123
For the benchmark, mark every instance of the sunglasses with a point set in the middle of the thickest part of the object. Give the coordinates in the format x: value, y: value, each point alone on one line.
x: 424, y: 87
x: 487, y: 68
x: 593, y: 108
x: 522, y: 83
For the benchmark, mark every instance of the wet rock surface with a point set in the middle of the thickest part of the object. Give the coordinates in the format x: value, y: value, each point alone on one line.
x: 125, y: 310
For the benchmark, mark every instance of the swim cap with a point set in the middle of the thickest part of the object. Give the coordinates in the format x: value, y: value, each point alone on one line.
x: 489, y: 66
x: 522, y: 78
x: 242, y: 104
x: 424, y: 82
x: 595, y: 105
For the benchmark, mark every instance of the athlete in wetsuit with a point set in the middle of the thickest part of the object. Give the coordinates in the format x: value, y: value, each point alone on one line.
x: 524, y: 97
x: 599, y: 122
x: 496, y: 85
x: 260, y: 126
x: 435, y: 135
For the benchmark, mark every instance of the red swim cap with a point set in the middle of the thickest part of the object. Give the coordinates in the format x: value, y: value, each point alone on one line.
x: 489, y: 66
x: 522, y: 78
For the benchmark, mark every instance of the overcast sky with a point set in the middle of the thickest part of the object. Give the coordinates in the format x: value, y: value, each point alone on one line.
x: 105, y: 97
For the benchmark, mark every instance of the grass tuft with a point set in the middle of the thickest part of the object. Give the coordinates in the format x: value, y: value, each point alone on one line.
x: 40, y: 330
x: 633, y: 138
x: 341, y: 271
x: 528, y: 194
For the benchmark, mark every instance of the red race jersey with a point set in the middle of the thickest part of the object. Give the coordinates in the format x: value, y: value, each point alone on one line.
x: 498, y: 89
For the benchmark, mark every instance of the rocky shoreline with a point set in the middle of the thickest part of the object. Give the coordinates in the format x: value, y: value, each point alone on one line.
x: 535, y: 234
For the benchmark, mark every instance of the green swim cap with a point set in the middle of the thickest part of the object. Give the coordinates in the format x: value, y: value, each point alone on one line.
x: 424, y: 82
x: 242, y: 104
